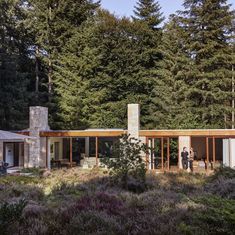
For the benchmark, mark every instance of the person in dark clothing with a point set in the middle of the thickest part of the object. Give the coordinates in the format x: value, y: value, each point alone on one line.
x: 184, y: 157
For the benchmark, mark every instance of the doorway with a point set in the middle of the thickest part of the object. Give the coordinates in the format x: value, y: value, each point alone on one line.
x: 11, y: 154
x: 163, y: 153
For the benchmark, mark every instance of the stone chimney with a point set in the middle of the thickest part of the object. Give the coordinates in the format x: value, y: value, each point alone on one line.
x: 134, y: 120
x: 38, y: 121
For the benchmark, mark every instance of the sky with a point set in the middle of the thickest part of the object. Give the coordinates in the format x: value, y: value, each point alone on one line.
x: 125, y: 7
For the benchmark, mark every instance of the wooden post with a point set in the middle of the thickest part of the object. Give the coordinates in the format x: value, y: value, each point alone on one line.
x: 153, y: 155
x: 213, y: 152
x: 47, y: 153
x: 207, y: 153
x: 71, y: 151
x: 162, y: 152
x: 168, y: 153
x: 96, y: 150
x: 147, y: 154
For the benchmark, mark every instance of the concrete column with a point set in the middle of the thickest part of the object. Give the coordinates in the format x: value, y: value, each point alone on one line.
x: 87, y: 146
x: 134, y: 120
x: 1, y: 151
x: 38, y: 122
x: 184, y: 141
x: 232, y: 153
x: 226, y: 152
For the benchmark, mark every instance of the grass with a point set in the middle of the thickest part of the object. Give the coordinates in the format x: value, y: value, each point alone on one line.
x: 77, y: 201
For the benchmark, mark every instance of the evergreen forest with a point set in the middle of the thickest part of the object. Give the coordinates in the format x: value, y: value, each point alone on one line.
x: 86, y: 64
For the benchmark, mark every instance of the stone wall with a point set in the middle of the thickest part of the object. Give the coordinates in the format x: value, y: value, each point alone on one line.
x: 38, y: 122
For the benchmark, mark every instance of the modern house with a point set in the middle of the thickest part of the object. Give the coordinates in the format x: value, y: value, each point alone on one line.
x: 85, y: 147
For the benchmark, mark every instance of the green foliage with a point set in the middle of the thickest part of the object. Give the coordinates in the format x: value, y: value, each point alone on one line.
x: 127, y: 161
x: 225, y: 172
x: 218, y: 216
x: 34, y: 171
x: 207, y: 28
x: 10, y: 213
x: 15, y: 67
x: 149, y: 11
x: 88, y: 64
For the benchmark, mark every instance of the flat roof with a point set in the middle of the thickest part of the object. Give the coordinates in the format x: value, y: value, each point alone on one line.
x: 83, y: 133
x: 189, y: 132
x: 142, y: 133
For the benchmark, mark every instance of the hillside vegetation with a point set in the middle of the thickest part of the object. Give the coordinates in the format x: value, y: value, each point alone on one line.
x: 80, y: 201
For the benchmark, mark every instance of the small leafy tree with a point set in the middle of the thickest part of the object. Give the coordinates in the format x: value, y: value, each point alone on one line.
x: 127, y: 162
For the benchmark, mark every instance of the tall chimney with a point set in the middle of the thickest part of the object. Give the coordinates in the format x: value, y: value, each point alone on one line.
x: 38, y: 119
x: 134, y: 120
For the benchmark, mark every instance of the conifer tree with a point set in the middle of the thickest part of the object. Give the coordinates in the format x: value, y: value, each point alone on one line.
x: 15, y: 67
x: 53, y: 23
x: 148, y: 11
x: 175, y: 68
x: 208, y: 27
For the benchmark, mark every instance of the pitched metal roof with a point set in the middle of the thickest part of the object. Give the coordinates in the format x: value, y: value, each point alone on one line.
x: 10, y: 136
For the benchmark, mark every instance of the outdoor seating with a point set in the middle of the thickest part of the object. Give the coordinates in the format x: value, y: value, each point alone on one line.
x: 3, y: 168
x: 62, y: 163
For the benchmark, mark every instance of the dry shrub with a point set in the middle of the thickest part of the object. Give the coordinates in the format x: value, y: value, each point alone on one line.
x: 224, y: 187
x: 33, y: 209
x: 93, y: 222
x: 100, y: 201
x: 33, y: 226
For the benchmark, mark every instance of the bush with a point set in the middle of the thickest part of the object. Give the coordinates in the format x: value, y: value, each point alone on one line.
x: 34, y: 171
x: 223, y: 187
x: 127, y: 163
x: 226, y: 172
x: 92, y: 222
x: 10, y: 214
x: 216, y: 216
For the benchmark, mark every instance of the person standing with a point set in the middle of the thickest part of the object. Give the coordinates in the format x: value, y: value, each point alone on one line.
x: 184, y: 157
x: 191, y: 159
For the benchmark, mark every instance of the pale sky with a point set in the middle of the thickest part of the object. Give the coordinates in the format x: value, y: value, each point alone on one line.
x: 125, y: 7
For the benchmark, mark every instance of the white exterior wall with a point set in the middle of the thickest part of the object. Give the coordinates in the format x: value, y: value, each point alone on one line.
x: 184, y: 141
x: 43, y: 152
x: 52, y: 142
x: 26, y: 155
x: 232, y: 153
x: 226, y: 152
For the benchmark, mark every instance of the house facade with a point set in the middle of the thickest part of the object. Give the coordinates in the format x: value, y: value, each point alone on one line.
x: 50, y: 148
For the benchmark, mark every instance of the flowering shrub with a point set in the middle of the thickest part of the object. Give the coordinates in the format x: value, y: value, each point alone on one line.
x: 84, y: 202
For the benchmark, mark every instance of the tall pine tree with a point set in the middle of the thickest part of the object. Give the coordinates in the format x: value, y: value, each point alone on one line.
x: 148, y: 11
x: 15, y: 66
x: 208, y: 27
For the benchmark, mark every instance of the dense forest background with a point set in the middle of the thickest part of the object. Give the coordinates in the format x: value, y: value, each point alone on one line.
x: 86, y: 64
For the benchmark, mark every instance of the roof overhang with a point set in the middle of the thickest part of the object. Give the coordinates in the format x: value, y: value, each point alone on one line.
x: 85, y: 133
x: 193, y: 133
